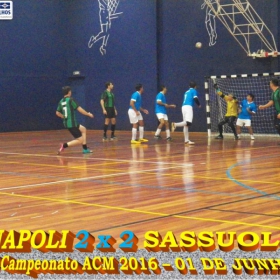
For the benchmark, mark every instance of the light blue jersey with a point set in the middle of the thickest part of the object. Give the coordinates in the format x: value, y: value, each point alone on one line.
x: 160, y: 108
x: 189, y: 97
x: 244, y: 114
x: 136, y: 97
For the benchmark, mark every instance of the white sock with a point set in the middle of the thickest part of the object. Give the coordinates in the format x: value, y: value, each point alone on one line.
x: 180, y: 124
x: 134, y: 133
x: 141, y: 132
x: 167, y: 133
x: 158, y: 132
x: 186, y: 133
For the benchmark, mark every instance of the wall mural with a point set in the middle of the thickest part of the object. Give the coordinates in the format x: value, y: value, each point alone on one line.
x: 210, y: 23
x: 107, y: 12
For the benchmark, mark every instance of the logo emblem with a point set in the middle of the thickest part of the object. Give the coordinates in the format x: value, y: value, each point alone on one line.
x: 6, y: 10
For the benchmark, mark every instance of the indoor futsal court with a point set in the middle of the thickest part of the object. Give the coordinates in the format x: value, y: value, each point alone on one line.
x: 215, y: 185
x: 221, y: 50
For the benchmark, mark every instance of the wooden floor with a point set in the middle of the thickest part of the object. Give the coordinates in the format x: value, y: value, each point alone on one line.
x: 216, y: 185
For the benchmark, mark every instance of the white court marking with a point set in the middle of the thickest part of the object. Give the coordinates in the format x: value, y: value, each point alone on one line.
x: 84, y: 179
x: 102, y: 159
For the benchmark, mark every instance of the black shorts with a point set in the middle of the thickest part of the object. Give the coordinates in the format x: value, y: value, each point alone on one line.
x: 110, y: 112
x: 75, y: 131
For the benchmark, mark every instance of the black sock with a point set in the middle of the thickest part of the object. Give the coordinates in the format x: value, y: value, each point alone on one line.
x: 65, y: 145
x: 105, y: 129
x: 113, y: 127
x: 85, y: 146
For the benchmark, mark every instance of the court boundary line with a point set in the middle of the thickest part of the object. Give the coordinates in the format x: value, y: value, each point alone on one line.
x: 121, y: 160
x: 190, y: 211
x: 240, y: 212
x: 83, y: 179
x: 228, y: 174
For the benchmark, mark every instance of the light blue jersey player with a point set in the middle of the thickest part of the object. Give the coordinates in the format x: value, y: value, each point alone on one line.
x: 190, y: 97
x: 135, y: 116
x: 137, y: 98
x: 247, y: 109
x: 161, y: 113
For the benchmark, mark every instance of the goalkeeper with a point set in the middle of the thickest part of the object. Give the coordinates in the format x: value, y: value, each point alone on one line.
x: 231, y: 114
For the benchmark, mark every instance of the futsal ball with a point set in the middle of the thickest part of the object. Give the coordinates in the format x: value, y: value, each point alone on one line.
x: 198, y: 45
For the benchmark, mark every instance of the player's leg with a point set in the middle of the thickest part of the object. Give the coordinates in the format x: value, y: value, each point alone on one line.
x: 220, y: 128
x: 105, y: 128
x: 239, y: 124
x: 277, y: 124
x: 112, y: 116
x: 167, y: 130
x: 134, y: 134
x: 179, y: 124
x: 113, y: 128
x: 134, y: 121
x: 188, y: 118
x: 250, y: 129
x: 247, y: 124
x: 160, y: 126
x: 84, y: 140
x: 232, y: 126
x: 77, y: 134
x: 141, y: 129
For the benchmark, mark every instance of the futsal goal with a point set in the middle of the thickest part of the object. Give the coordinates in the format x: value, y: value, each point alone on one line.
x: 240, y: 86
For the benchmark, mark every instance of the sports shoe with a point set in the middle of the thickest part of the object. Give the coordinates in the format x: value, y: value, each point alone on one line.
x: 60, y: 149
x: 168, y: 139
x: 219, y: 137
x: 113, y: 138
x: 157, y: 137
x: 135, y: 142
x: 105, y: 138
x: 252, y: 137
x: 143, y: 140
x: 87, y: 151
x: 189, y: 143
x: 237, y: 138
x: 173, y: 127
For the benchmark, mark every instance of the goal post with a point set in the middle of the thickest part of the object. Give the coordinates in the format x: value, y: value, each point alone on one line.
x: 240, y: 86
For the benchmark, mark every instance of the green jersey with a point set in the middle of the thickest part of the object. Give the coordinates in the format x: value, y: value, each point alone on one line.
x: 67, y: 107
x: 108, y: 98
x: 275, y: 97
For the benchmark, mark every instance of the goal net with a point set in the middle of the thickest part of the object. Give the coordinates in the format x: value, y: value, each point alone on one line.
x: 240, y: 86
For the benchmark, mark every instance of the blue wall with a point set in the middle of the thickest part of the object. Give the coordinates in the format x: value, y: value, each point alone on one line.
x: 151, y: 42
x: 32, y: 65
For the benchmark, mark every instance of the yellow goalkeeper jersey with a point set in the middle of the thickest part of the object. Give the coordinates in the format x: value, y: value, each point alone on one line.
x: 232, y: 105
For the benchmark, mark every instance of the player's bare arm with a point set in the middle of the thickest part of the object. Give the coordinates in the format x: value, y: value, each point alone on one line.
x: 59, y: 115
x: 102, y: 106
x: 250, y: 112
x: 144, y: 111
x: 196, y: 100
x: 84, y: 112
x: 165, y: 104
x: 267, y: 105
